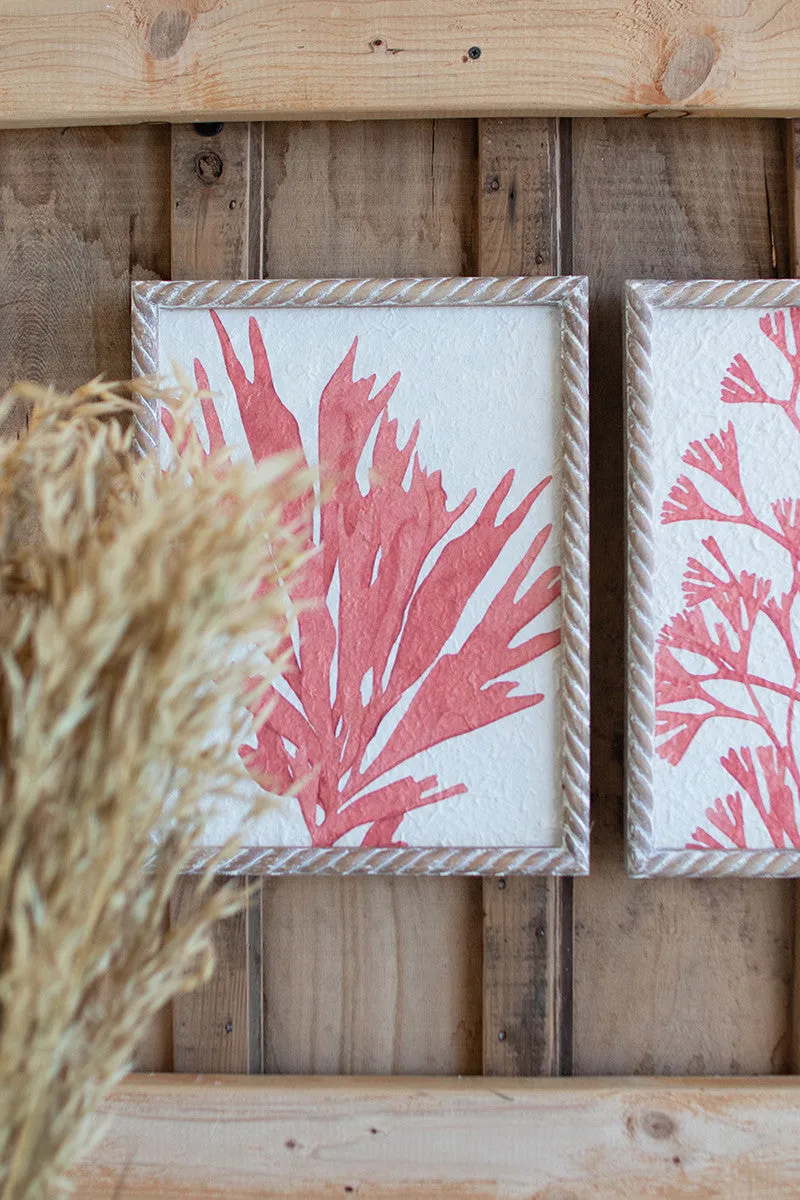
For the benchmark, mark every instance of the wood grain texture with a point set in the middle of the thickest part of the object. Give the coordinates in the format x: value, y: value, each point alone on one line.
x: 154, y: 1051
x: 371, y: 974
x: 527, y: 943
x: 211, y: 1024
x: 217, y: 198
x: 793, y: 188
x: 520, y: 197
x: 635, y: 1139
x: 209, y: 60
x: 82, y: 213
x: 216, y: 232
x: 369, y: 198
x: 671, y: 976
x: 527, y: 976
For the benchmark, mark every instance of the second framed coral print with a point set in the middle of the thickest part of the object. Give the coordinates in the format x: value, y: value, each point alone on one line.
x: 713, y: 765
x: 434, y: 713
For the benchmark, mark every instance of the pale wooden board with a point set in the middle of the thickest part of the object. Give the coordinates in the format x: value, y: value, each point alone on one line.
x: 527, y: 933
x: 82, y: 213
x: 173, y: 1137
x: 370, y: 974
x: 200, y: 60
x: 671, y: 976
x: 216, y: 232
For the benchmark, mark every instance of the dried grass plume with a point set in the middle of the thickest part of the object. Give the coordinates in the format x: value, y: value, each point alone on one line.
x: 127, y: 595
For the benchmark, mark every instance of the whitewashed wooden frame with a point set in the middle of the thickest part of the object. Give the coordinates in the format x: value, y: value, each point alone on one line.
x: 644, y: 856
x: 569, y: 296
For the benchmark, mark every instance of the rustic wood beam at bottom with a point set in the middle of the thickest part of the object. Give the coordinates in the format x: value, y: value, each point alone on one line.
x: 237, y: 1136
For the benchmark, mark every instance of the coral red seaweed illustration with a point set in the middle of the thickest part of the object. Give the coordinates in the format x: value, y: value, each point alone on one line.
x: 710, y: 661
x: 373, y: 625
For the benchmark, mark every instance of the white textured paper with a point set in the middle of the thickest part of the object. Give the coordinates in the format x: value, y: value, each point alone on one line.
x: 692, y: 352
x: 484, y: 384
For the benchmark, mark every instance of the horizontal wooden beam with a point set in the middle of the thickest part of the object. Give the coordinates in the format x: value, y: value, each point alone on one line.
x: 109, y: 61
x: 235, y: 1137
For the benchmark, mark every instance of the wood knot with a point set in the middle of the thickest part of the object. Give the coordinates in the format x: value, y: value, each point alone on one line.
x: 168, y: 32
x: 208, y: 167
x: 658, y: 1125
x: 688, y: 68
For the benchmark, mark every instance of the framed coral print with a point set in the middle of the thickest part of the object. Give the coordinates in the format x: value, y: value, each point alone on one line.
x: 713, y: 673
x: 434, y: 717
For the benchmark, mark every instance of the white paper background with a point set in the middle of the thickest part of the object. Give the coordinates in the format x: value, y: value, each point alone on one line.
x: 692, y: 349
x: 485, y: 385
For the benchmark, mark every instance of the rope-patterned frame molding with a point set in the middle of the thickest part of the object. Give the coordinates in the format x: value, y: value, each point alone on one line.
x: 644, y: 857
x: 570, y: 296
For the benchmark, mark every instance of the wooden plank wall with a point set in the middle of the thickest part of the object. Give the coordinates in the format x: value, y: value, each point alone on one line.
x: 437, y: 976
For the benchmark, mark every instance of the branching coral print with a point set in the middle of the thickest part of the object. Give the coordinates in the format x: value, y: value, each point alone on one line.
x: 733, y: 652
x: 373, y: 677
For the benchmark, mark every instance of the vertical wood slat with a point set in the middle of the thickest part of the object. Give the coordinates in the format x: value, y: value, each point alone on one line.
x: 216, y: 234
x: 793, y: 192
x: 217, y: 198
x: 527, y: 922
x: 793, y: 188
x: 672, y: 976
x: 371, y: 975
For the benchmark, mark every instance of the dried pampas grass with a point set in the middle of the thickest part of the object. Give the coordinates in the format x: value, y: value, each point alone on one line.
x: 127, y: 595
